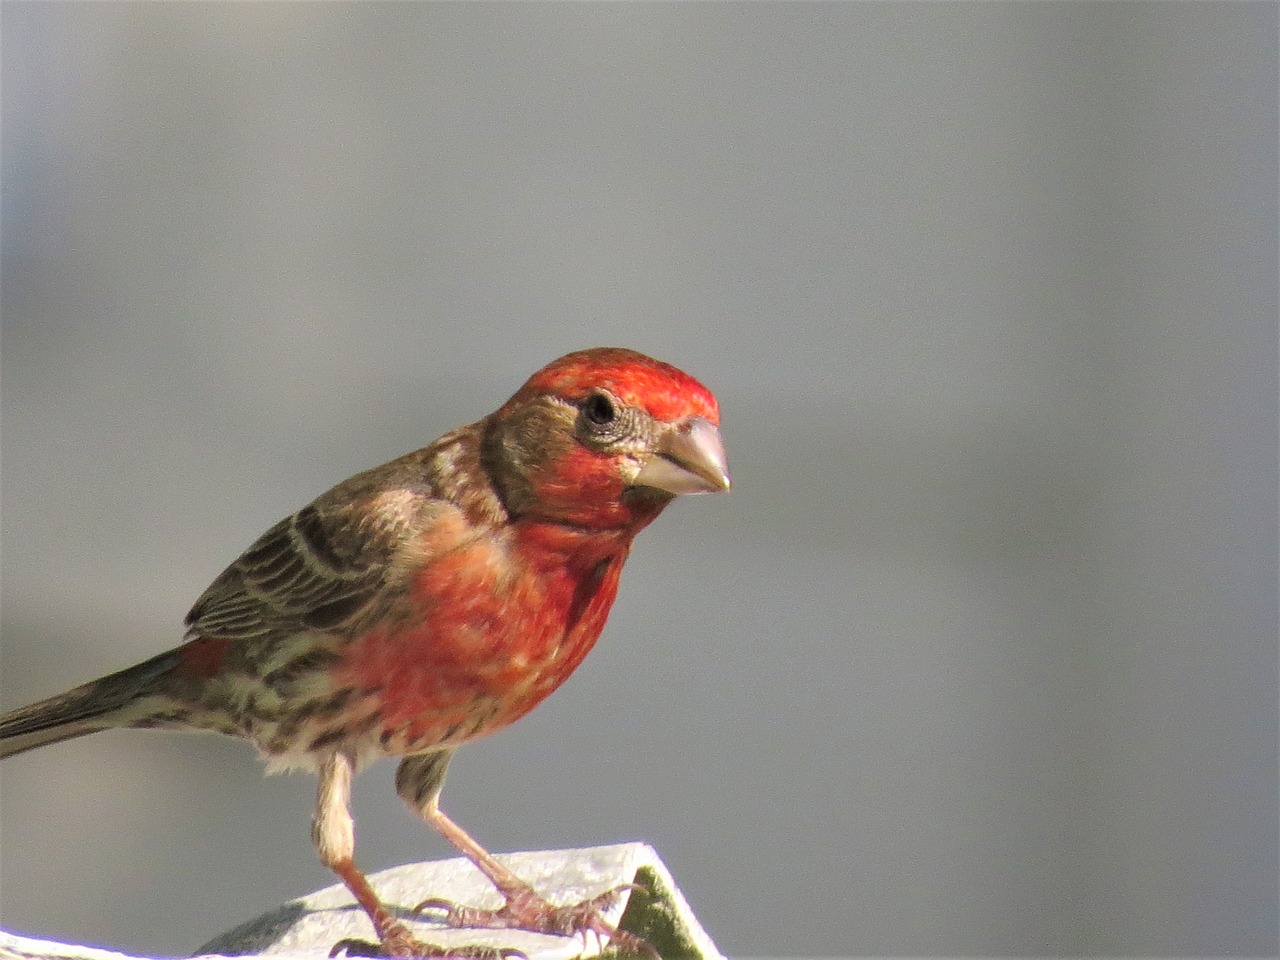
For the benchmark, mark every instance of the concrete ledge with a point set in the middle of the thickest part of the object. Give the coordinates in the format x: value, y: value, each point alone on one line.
x: 311, y: 925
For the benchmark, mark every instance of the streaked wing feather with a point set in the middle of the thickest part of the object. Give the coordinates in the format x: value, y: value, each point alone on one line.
x: 309, y: 571
x: 338, y: 561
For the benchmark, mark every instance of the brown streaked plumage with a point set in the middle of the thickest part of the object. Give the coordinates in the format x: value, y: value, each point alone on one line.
x: 425, y: 603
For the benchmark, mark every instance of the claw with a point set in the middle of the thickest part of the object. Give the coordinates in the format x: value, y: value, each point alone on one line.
x: 617, y: 891
x: 629, y: 942
x: 434, y: 903
x: 398, y: 942
x: 356, y: 948
x: 525, y: 910
x: 365, y: 948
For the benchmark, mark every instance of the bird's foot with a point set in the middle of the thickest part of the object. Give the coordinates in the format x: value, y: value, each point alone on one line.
x: 525, y: 910
x: 398, y: 942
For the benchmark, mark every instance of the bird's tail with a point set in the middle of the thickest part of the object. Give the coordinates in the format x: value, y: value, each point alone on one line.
x: 119, y: 700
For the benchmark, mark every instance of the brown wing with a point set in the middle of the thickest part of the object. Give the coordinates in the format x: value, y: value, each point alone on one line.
x: 310, y: 571
x: 342, y: 558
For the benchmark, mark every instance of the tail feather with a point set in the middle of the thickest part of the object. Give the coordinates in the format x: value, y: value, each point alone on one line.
x: 113, y: 701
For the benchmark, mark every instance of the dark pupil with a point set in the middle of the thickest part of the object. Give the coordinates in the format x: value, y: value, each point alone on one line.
x: 599, y: 410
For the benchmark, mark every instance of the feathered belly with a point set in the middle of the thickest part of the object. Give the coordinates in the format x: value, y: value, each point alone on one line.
x: 480, y: 643
x: 480, y: 656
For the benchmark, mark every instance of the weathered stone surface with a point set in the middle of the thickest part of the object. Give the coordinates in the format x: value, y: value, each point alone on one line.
x: 311, y: 925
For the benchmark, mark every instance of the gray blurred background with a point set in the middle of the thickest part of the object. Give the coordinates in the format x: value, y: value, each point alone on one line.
x: 980, y: 655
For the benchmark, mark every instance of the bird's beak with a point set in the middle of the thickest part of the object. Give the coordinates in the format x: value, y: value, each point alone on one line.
x: 689, y: 458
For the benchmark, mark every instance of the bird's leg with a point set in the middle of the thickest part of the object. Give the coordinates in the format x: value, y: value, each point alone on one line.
x: 418, y: 781
x: 333, y: 832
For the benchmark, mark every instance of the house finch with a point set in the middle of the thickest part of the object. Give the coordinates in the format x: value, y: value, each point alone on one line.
x: 423, y: 604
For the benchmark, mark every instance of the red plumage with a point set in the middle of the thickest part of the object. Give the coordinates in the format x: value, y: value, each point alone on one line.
x: 425, y: 603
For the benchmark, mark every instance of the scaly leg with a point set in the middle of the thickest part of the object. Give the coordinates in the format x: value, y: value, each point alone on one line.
x: 419, y: 780
x: 333, y: 832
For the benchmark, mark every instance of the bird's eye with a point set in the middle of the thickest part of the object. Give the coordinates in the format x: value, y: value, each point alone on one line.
x: 599, y: 409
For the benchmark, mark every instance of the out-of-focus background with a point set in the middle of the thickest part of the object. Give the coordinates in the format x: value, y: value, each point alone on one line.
x: 980, y: 655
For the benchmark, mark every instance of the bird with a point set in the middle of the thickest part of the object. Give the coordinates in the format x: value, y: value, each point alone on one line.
x: 423, y: 604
